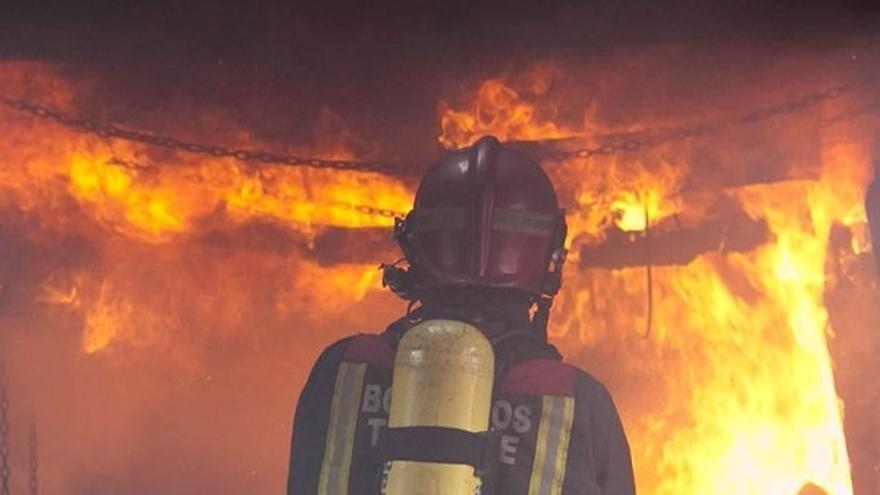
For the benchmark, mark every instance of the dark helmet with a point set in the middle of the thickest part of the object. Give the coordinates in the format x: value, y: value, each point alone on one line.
x: 484, y: 216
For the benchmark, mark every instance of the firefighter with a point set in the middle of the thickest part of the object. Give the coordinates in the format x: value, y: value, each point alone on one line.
x: 484, y: 245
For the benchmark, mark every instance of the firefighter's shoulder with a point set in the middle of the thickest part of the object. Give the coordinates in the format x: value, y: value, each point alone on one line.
x: 587, y: 385
x: 360, y: 348
x: 542, y: 376
x: 546, y: 376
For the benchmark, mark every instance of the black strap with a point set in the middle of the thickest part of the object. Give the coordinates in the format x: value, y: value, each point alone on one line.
x: 441, y: 445
x: 394, y: 332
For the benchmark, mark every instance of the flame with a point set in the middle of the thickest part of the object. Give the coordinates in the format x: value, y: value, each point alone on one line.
x: 161, y: 202
x: 62, y: 176
x: 105, y: 318
x: 638, y: 197
x: 117, y: 197
x: 731, y: 392
x: 125, y: 190
x: 740, y: 394
x: 624, y: 193
x: 506, y: 112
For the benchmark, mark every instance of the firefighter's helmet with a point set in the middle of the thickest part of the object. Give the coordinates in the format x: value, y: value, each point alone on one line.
x: 484, y: 216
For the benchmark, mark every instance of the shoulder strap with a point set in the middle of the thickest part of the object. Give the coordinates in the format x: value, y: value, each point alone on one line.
x: 394, y: 332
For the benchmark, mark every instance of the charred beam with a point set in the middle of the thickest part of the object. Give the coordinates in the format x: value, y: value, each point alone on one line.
x: 668, y: 245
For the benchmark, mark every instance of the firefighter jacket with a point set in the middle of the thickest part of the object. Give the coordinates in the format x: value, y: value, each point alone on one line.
x: 559, y: 431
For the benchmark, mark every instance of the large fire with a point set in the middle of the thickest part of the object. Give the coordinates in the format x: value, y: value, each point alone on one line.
x: 719, y: 362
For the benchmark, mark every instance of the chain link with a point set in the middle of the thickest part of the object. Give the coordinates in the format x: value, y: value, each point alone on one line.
x: 4, y: 433
x: 651, y: 139
x: 244, y: 155
x: 372, y: 210
x: 34, y: 472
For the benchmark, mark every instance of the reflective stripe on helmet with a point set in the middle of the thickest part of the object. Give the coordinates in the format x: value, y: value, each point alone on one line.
x: 341, y: 429
x: 427, y: 219
x: 503, y: 220
x: 522, y: 222
x: 551, y: 449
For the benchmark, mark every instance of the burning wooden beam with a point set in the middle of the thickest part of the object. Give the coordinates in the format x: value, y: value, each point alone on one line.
x: 669, y: 244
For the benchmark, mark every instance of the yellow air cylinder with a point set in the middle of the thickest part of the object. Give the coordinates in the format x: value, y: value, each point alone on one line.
x: 443, y: 376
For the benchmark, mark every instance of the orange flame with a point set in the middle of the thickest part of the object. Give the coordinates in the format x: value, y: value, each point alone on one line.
x: 739, y: 394
x: 732, y: 392
x: 503, y: 111
x: 176, y: 198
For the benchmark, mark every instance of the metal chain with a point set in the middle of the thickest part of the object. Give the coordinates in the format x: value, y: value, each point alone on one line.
x: 34, y: 472
x: 655, y: 138
x: 372, y: 210
x: 245, y: 155
x: 4, y: 433
x: 797, y: 105
x: 649, y: 139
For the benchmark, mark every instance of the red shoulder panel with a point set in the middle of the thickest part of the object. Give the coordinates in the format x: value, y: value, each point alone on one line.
x: 371, y: 349
x: 540, y: 377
